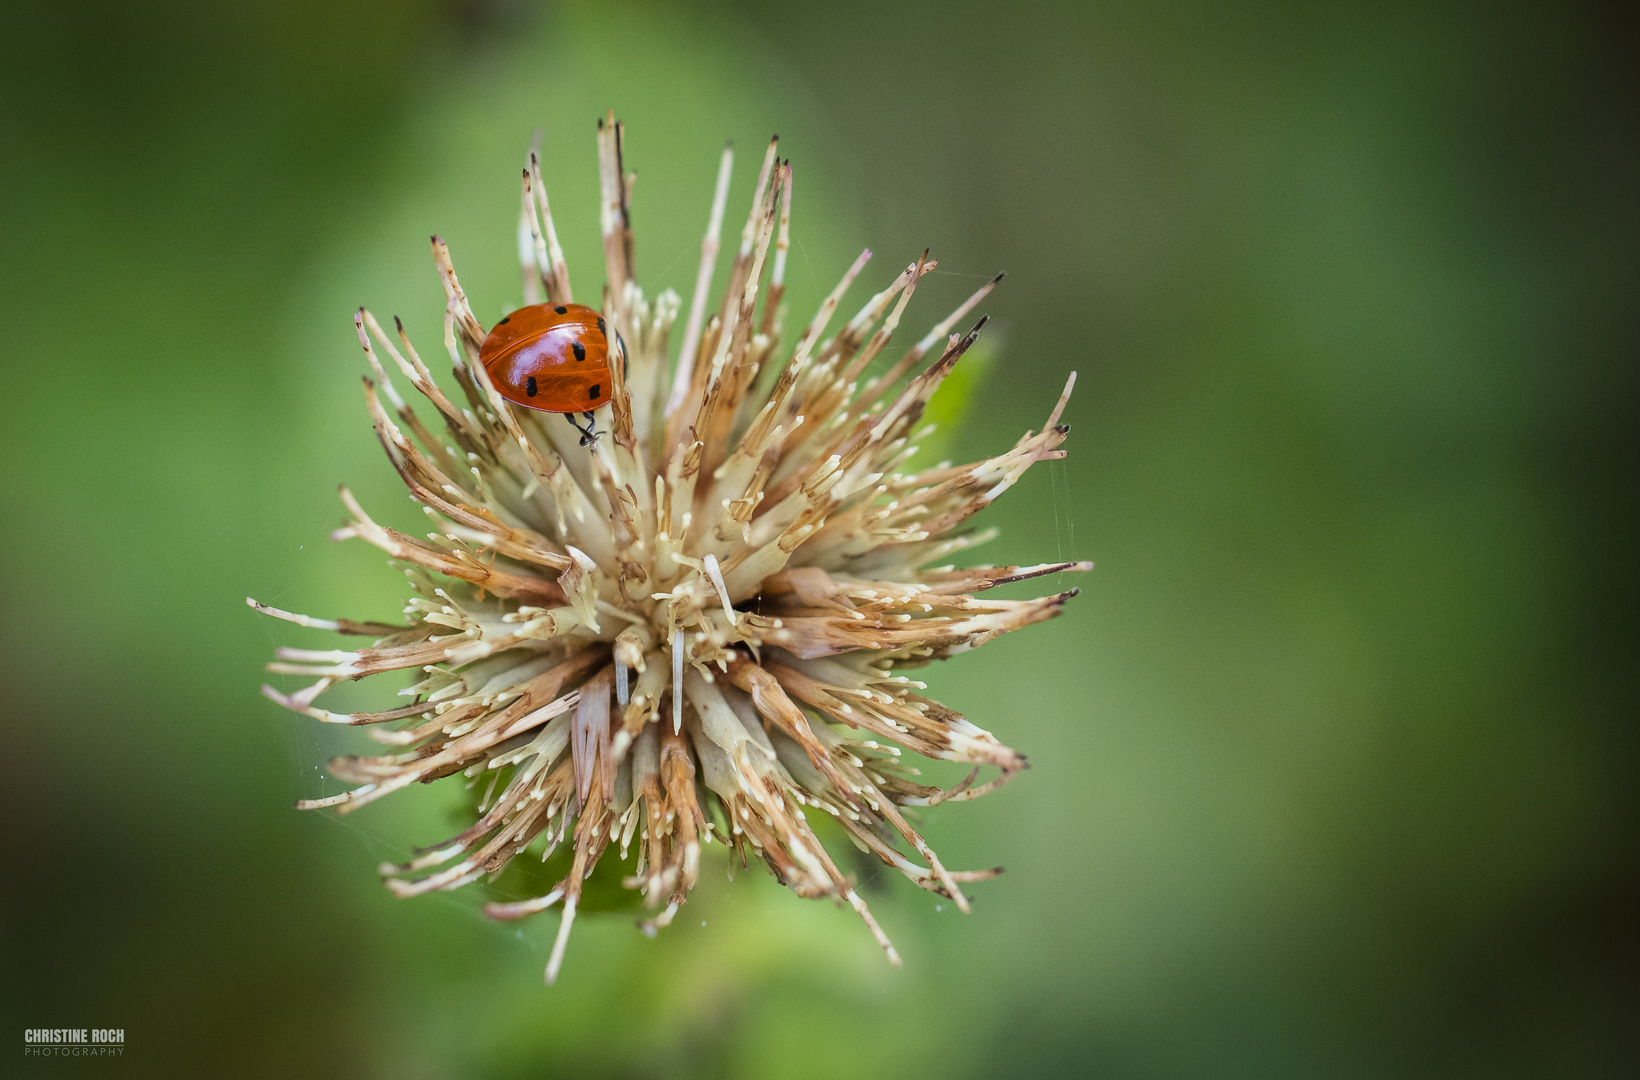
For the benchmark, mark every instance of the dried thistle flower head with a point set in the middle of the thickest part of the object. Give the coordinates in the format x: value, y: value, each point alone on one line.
x: 695, y: 629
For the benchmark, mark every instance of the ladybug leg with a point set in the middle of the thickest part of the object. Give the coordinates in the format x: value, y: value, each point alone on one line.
x: 591, y: 436
x: 588, y: 435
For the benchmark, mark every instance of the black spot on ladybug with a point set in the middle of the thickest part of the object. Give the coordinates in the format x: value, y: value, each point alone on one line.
x: 561, y: 309
x: 529, y: 386
x: 601, y: 329
x: 580, y: 350
x: 592, y: 394
x: 505, y: 321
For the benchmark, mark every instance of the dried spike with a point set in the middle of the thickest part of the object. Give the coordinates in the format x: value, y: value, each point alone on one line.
x: 557, y: 280
x: 915, y: 354
x: 613, y: 217
x: 532, y: 252
x: 462, y: 310
x: 777, y: 279
x: 341, y: 626
x: 709, y: 246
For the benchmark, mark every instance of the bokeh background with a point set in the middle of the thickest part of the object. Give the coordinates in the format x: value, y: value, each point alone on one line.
x: 1334, y: 758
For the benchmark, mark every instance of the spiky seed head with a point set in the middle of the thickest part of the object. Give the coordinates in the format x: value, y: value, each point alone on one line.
x: 695, y: 630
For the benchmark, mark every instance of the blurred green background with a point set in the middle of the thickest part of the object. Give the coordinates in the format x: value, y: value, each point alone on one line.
x: 1334, y: 758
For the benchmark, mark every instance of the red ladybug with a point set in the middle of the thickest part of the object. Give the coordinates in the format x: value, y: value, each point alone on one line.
x: 555, y: 358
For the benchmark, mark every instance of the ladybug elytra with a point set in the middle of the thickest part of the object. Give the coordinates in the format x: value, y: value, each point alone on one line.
x: 554, y: 358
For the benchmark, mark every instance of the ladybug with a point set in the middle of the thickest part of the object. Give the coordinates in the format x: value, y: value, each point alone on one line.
x: 554, y: 358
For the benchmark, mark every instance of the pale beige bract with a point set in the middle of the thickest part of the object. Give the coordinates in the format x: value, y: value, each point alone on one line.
x: 696, y: 630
